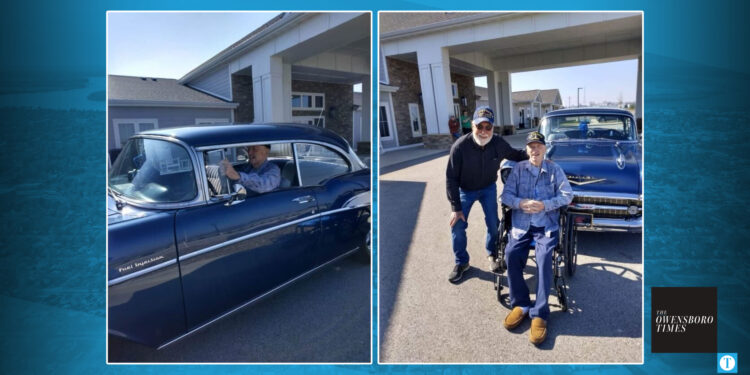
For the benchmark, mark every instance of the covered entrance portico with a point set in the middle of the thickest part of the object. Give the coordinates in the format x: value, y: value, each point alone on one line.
x: 495, y: 45
x: 300, y: 67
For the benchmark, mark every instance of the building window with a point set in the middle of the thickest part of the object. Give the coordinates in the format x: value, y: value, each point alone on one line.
x: 454, y: 89
x: 415, y: 120
x: 308, y: 101
x: 457, y: 110
x: 125, y: 128
x: 385, y: 131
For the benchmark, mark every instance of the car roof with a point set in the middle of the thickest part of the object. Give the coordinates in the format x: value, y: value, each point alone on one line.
x: 589, y: 111
x: 210, y: 135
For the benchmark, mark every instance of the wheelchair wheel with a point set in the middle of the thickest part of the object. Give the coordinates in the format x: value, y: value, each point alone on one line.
x: 499, y: 287
x: 562, y: 297
x: 571, y: 252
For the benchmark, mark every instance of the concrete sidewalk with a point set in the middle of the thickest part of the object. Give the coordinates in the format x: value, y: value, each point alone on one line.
x: 391, y: 158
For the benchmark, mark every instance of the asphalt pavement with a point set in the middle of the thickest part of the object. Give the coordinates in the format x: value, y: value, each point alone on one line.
x: 425, y: 319
x: 324, y: 317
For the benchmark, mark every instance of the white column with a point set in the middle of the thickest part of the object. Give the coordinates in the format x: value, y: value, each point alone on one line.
x: 638, y: 90
x: 492, y: 95
x: 435, y: 80
x: 268, y: 90
x: 504, y: 105
x: 366, y: 129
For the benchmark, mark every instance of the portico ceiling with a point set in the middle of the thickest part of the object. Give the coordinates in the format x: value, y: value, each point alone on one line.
x: 616, y: 30
x: 305, y: 73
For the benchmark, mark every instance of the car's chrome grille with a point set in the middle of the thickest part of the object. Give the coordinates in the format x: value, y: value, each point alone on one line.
x: 606, y: 207
x: 608, y: 201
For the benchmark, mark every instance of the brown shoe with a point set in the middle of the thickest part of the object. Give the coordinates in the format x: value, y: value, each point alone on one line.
x: 538, y: 331
x: 514, y: 318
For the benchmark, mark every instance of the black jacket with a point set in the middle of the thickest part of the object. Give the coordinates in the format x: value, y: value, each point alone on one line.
x: 472, y: 167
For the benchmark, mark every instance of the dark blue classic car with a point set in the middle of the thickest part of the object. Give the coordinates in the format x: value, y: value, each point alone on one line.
x: 599, y: 150
x: 187, y: 246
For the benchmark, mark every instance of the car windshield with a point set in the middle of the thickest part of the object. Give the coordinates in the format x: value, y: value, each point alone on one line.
x: 615, y: 127
x: 154, y: 171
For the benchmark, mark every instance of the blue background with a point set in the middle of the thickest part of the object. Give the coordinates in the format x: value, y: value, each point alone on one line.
x: 52, y: 185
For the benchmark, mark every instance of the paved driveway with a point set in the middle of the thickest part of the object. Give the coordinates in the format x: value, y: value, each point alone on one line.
x: 424, y: 318
x: 324, y: 317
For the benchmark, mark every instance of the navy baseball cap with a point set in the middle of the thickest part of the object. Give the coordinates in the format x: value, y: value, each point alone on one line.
x: 535, y: 137
x: 482, y: 114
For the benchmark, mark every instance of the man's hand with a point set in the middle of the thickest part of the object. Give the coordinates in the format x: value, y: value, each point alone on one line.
x: 229, y: 170
x: 531, y: 206
x: 456, y: 216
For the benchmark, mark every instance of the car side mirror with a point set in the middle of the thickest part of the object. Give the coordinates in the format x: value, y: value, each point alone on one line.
x: 238, y: 195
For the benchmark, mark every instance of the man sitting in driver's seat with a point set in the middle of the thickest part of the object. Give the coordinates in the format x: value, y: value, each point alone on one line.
x: 259, y: 175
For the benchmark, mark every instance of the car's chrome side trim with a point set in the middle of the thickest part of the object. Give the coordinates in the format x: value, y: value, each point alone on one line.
x: 144, y: 271
x: 257, y: 298
x: 264, y: 231
x: 227, y: 243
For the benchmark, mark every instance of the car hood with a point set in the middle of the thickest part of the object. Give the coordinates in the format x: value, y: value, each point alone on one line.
x: 128, y: 212
x: 601, y: 166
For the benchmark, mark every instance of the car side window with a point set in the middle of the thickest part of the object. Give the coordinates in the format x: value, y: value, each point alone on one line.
x: 319, y: 163
x: 280, y: 155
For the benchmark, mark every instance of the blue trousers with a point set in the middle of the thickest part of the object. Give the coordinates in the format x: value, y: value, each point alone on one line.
x: 487, y: 197
x: 516, y: 254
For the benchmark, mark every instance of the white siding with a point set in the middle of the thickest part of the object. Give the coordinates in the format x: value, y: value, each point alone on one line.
x: 215, y: 82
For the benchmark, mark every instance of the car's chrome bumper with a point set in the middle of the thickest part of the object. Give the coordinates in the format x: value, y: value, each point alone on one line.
x: 634, y: 225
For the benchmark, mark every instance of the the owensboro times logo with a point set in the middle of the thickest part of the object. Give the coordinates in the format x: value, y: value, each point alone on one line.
x: 683, y: 320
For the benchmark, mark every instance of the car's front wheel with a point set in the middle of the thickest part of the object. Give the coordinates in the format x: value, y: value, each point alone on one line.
x: 364, y: 253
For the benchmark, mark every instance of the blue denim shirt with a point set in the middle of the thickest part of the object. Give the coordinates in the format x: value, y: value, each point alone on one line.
x: 265, y: 178
x: 548, y: 185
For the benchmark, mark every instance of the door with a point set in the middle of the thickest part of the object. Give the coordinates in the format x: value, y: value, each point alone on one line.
x: 385, y: 123
x: 230, y: 255
x: 343, y: 199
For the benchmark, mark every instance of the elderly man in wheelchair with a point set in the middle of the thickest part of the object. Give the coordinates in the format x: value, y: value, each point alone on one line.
x: 535, y: 190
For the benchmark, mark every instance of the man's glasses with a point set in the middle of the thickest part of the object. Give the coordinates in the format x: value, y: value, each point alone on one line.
x: 486, y: 127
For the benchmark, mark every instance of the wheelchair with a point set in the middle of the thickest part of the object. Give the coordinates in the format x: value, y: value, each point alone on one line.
x: 564, y: 255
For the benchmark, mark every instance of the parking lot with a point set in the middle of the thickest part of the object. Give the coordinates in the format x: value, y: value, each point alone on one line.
x: 425, y: 319
x: 324, y: 317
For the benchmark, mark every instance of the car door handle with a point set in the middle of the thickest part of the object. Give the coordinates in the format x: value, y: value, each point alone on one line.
x: 304, y: 199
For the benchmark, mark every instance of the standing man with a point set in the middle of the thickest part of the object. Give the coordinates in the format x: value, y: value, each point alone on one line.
x: 535, y: 190
x: 466, y: 122
x: 471, y: 175
x: 454, y: 127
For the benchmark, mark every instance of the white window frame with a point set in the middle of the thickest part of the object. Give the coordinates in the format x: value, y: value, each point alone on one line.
x: 309, y: 120
x: 454, y: 90
x: 314, y: 95
x: 457, y: 111
x: 211, y: 121
x: 415, y: 133
x: 136, y: 121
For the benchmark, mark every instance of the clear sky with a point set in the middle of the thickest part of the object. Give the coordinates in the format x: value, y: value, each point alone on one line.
x: 170, y: 44
x: 600, y: 82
